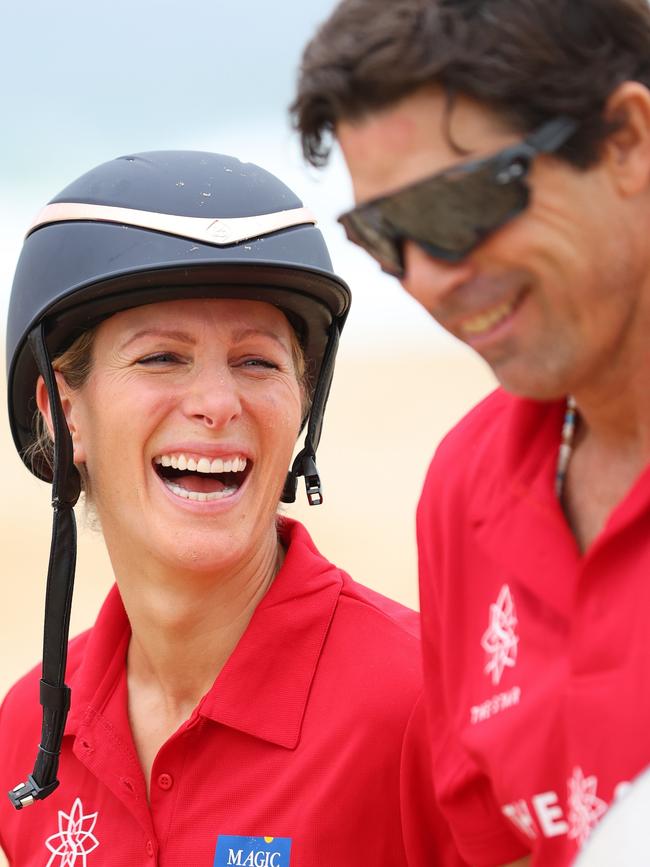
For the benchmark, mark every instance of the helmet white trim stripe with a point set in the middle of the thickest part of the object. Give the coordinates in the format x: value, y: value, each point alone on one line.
x: 219, y: 232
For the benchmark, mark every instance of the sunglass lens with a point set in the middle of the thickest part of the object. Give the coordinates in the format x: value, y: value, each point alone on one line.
x: 450, y: 214
x: 367, y: 230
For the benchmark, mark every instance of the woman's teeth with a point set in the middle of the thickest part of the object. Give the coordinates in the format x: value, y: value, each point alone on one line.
x: 485, y: 321
x: 201, y: 479
x: 203, y: 465
x: 199, y: 495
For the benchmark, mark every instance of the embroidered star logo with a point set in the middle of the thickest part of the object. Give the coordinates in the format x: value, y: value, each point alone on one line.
x: 75, y: 839
x: 585, y: 807
x: 500, y: 639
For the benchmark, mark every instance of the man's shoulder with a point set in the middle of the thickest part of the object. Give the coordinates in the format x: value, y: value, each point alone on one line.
x: 481, y: 427
x: 489, y: 443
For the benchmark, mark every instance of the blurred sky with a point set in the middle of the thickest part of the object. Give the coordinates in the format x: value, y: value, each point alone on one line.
x: 83, y: 82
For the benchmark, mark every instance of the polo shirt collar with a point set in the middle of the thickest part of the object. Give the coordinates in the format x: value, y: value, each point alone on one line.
x: 263, y: 688
x: 517, y: 518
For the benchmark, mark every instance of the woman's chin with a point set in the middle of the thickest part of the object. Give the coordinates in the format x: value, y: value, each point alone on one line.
x: 223, y: 547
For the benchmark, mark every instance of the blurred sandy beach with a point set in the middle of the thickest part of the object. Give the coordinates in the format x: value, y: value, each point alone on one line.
x: 384, y: 419
x: 385, y: 416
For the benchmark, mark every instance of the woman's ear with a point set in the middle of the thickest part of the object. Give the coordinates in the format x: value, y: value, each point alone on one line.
x: 67, y: 402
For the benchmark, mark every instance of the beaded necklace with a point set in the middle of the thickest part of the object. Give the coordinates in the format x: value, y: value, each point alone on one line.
x: 566, y: 445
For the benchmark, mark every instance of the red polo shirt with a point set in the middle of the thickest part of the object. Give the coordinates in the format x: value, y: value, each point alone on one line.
x: 538, y: 658
x: 305, y: 752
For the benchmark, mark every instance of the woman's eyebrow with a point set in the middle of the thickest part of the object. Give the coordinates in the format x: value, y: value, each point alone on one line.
x: 260, y: 332
x: 180, y: 336
x: 184, y: 337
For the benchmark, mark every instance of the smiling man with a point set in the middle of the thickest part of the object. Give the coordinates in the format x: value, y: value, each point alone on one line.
x: 500, y: 159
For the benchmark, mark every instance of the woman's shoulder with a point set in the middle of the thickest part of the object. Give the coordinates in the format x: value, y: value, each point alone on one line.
x: 19, y: 699
x: 392, y: 619
x: 369, y: 675
x: 379, y: 639
x: 361, y: 617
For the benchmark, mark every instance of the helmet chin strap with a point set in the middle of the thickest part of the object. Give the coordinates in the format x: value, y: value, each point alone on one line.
x: 304, y: 463
x: 54, y: 694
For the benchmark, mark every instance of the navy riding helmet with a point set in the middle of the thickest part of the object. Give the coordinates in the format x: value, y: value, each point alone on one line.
x: 144, y: 228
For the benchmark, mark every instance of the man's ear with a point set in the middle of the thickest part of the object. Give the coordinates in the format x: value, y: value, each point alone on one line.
x: 627, y: 149
x: 43, y: 403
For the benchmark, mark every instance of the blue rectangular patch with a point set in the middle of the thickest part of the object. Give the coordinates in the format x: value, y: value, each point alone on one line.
x: 235, y: 851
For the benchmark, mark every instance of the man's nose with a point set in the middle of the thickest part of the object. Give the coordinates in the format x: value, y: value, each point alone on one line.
x: 430, y: 280
x: 214, y: 398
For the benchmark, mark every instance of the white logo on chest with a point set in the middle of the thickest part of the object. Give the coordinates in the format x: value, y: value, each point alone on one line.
x: 500, y: 639
x: 75, y: 840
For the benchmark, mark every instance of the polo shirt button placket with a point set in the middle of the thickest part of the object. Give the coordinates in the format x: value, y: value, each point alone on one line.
x: 165, y: 781
x: 149, y: 849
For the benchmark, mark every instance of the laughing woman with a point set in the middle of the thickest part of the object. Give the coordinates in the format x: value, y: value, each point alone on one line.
x: 240, y: 700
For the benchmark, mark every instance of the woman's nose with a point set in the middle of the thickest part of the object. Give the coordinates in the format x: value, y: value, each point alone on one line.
x: 214, y: 398
x: 429, y: 280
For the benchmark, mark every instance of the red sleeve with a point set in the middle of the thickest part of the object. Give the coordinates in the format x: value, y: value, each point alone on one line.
x: 4, y: 848
x: 464, y: 792
x: 427, y: 836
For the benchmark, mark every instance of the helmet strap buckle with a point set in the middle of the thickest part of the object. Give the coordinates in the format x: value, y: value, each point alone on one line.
x: 25, y: 794
x: 304, y: 465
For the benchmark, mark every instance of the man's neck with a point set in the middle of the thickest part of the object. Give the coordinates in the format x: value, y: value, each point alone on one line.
x: 611, y: 449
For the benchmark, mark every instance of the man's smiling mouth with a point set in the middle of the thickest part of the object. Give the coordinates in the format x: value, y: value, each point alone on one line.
x: 484, y: 322
x: 201, y: 478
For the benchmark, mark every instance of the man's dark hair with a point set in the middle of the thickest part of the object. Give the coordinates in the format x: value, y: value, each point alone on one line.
x: 527, y: 60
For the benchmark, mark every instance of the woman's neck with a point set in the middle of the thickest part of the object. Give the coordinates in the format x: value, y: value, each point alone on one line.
x: 186, y: 624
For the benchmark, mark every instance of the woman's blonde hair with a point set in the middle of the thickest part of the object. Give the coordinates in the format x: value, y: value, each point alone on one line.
x: 74, y: 365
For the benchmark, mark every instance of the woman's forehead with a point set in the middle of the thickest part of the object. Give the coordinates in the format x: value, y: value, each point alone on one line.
x: 197, y: 314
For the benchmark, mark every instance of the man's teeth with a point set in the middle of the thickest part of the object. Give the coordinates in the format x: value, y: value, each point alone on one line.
x: 203, y: 465
x: 197, y: 495
x: 486, y: 321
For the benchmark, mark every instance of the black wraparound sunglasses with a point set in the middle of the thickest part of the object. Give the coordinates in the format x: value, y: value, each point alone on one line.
x: 451, y: 212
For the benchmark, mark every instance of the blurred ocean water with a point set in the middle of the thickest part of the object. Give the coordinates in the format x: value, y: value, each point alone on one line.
x: 94, y: 81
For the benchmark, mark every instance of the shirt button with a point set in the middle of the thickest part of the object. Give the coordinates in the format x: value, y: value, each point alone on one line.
x: 149, y: 848
x: 165, y: 781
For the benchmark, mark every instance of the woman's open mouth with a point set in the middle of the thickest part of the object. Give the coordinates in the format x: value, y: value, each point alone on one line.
x: 201, y: 478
